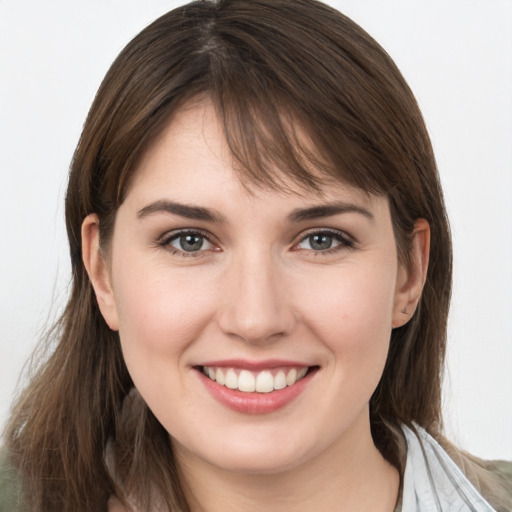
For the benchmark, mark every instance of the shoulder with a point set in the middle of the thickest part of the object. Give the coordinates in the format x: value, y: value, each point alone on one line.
x: 453, y: 471
x: 492, y: 478
x: 10, y: 485
x: 502, y: 469
x: 500, y: 494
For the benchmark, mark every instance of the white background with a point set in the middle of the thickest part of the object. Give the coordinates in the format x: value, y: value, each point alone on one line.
x: 457, y: 57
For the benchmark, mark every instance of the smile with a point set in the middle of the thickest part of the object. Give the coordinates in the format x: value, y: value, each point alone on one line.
x: 264, y: 381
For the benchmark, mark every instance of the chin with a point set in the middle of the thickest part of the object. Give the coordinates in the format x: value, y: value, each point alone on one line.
x: 254, y: 451
x: 258, y: 462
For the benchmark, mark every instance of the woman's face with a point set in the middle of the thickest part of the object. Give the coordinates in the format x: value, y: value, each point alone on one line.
x: 254, y: 323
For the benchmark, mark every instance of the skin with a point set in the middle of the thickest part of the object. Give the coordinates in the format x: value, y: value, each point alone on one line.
x: 258, y: 289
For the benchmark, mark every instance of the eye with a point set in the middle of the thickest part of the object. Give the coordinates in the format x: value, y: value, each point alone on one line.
x: 325, y: 241
x: 187, y: 242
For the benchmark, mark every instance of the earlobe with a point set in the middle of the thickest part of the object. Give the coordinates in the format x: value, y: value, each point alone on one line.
x: 97, y: 269
x: 411, y: 279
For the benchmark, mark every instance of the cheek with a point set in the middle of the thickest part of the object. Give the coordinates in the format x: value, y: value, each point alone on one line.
x: 159, y: 317
x: 360, y: 297
x: 353, y: 316
x: 160, y: 312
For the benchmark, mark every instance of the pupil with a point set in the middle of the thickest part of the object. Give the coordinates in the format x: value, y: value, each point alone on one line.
x: 320, y: 242
x: 191, y: 242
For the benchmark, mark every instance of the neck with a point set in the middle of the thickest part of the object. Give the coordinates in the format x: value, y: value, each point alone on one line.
x: 350, y: 475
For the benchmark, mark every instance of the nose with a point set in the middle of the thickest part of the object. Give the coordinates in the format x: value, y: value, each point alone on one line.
x: 255, y: 304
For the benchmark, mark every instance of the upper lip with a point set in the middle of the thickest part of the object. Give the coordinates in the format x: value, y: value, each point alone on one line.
x: 245, y: 364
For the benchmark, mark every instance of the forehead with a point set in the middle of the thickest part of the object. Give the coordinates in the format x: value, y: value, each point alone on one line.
x: 191, y: 156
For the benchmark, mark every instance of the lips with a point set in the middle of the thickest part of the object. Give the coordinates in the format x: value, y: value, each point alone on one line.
x: 255, y: 388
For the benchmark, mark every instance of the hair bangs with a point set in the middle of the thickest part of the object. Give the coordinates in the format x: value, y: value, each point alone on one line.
x: 282, y: 127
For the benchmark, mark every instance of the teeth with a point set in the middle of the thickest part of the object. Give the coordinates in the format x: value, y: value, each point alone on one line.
x: 249, y: 382
x: 231, y: 381
x: 264, y: 382
x: 246, y: 381
x: 219, y: 376
x: 302, y: 373
x: 291, y: 377
x: 280, y: 380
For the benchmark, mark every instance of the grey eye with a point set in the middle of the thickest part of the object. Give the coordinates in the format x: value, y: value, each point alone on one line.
x: 324, y: 240
x: 320, y: 242
x: 189, y: 242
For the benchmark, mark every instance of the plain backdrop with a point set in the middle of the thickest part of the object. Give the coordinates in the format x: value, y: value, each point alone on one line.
x: 457, y: 57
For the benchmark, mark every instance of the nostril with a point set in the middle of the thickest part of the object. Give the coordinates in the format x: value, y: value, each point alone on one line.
x: 256, y: 323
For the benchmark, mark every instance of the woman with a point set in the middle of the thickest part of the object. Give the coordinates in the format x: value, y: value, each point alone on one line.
x: 261, y: 278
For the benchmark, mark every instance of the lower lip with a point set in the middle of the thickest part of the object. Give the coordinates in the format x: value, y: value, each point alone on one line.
x: 255, y: 403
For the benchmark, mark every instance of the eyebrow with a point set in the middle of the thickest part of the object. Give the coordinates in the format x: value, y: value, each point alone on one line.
x: 328, y: 210
x: 182, y: 210
x: 211, y: 215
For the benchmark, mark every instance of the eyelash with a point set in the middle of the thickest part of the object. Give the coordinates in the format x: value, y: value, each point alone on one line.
x: 344, y: 242
x: 166, y: 240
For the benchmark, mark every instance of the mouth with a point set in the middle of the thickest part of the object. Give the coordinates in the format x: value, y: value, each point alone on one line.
x: 249, y: 381
x: 255, y: 387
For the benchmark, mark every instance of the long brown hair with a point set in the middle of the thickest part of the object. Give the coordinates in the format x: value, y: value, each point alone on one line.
x: 268, y: 66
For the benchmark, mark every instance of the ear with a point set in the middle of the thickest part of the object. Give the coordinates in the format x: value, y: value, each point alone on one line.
x: 410, y: 280
x: 97, y: 268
